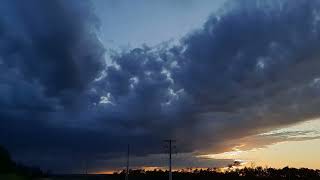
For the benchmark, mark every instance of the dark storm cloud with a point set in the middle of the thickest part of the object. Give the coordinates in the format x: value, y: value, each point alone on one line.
x: 49, y: 56
x: 51, y: 43
x: 251, y: 67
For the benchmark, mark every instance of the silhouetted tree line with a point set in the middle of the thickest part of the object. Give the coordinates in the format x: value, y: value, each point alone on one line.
x: 9, y: 167
x: 215, y: 174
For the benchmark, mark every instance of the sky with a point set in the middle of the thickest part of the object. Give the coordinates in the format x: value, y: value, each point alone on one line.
x: 227, y: 79
x: 129, y: 25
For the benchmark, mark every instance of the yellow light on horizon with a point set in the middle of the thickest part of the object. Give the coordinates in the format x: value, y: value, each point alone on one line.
x: 301, y: 149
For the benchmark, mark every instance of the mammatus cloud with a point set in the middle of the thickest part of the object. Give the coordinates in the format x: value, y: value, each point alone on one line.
x: 251, y: 67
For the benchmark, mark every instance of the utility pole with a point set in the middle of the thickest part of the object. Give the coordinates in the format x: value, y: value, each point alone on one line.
x: 85, y: 163
x: 128, y: 155
x: 170, y: 141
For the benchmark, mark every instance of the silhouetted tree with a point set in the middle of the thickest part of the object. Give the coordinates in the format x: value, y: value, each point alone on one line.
x: 15, y: 170
x: 6, y: 164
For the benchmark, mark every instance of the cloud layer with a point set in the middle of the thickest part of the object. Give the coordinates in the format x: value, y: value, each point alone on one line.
x: 251, y: 67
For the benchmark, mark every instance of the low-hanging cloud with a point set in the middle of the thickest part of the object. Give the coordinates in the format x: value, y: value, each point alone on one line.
x: 251, y: 67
